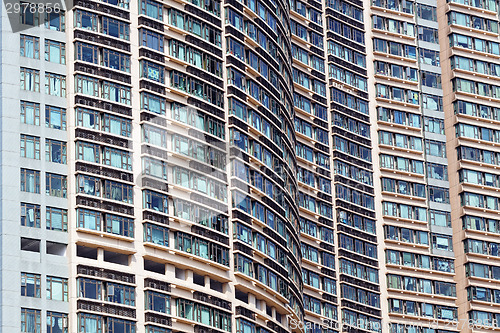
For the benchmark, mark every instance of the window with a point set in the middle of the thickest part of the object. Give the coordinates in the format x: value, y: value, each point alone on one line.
x: 28, y: 17
x: 152, y: 9
x: 157, y: 302
x: 55, y: 20
x: 426, y: 12
x: 86, y: 52
x: 55, y: 52
x: 116, y: 60
x: 119, y: 225
x: 195, y: 213
x: 442, y: 242
x: 30, y: 181
x: 428, y: 35
x: 87, y: 118
x: 30, y: 113
x: 30, y: 215
x: 153, y: 103
x: 434, y: 125
x: 197, y: 88
x: 115, y: 28
x: 152, y: 71
x: 30, y: 318
x: 117, y: 325
x: 244, y: 326
x: 30, y: 146
x: 151, y: 39
x: 89, y: 219
x: 154, y: 167
x: 236, y: 49
x: 234, y: 19
x: 155, y: 136
x: 155, y: 234
x: 30, y: 47
x: 55, y: 151
x: 89, y: 185
x: 430, y: 79
x: 121, y: 294
x: 116, y: 125
x: 57, y: 219
x: 117, y: 158
x: 87, y: 151
x: 204, y: 314
x: 89, y: 323
x: 55, y: 84
x: 87, y: 85
x: 88, y: 288
x: 201, y: 248
x: 118, y: 191
x: 116, y: 92
x: 155, y: 201
x: 30, y: 285
x: 431, y: 102
x: 442, y: 219
x: 57, y: 289
x: 429, y: 57
x: 57, y: 322
x: 435, y: 148
x: 55, y: 117
x: 439, y: 195
x: 30, y: 79
x: 86, y: 20
x: 56, y: 185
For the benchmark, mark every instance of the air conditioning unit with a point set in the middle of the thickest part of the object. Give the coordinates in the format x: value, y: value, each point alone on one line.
x: 111, y: 290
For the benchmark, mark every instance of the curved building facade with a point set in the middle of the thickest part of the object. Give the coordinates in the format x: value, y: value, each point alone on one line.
x: 184, y: 185
x: 250, y: 166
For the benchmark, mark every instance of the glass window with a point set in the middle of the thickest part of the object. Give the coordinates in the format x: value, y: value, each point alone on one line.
x: 30, y: 146
x: 30, y: 47
x: 57, y: 219
x: 30, y: 215
x: 55, y: 20
x: 55, y: 117
x: 30, y: 285
x: 56, y: 185
x: 152, y: 9
x: 55, y: 151
x: 57, y: 322
x: 157, y: 302
x: 119, y: 225
x: 30, y: 79
x: 86, y: 20
x: 30, y: 113
x: 30, y: 181
x: 89, y: 219
x: 155, y: 201
x: 30, y: 319
x: 29, y: 17
x: 57, y: 288
x: 155, y: 234
x: 90, y: 323
x: 116, y: 60
x: 55, y: 52
x: 115, y: 28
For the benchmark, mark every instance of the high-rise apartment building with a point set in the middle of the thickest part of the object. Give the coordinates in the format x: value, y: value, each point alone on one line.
x: 250, y: 166
x: 34, y: 174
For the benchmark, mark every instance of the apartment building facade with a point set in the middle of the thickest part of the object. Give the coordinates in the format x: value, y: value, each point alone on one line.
x: 250, y: 166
